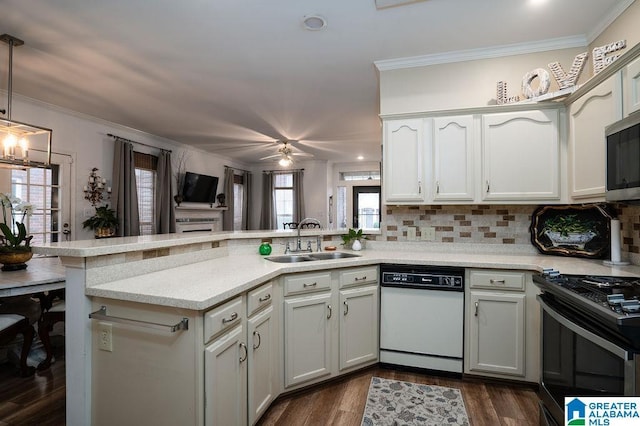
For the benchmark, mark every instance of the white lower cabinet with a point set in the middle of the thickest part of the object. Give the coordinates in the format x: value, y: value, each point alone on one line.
x: 225, y: 384
x: 330, y: 332
x: 502, y: 325
x: 261, y: 361
x: 497, y: 333
x: 358, y: 326
x: 241, y: 358
x: 308, y: 338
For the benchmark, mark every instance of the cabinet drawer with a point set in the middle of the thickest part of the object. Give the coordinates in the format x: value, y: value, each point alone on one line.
x: 497, y: 280
x: 303, y: 283
x: 358, y: 276
x: 222, y: 317
x: 259, y: 298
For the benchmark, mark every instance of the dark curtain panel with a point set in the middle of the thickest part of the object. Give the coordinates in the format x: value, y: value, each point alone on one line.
x: 165, y: 220
x: 298, y: 196
x: 246, y: 201
x: 125, y: 195
x: 227, y: 216
x: 268, y: 210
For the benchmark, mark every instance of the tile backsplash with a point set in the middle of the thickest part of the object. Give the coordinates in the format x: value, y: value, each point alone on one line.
x: 490, y: 224
x: 487, y: 224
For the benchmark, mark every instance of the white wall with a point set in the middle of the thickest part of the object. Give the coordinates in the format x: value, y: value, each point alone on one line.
x: 459, y: 85
x: 85, y: 138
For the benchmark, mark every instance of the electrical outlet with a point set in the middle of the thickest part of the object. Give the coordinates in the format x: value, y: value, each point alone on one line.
x: 428, y: 233
x: 105, y: 337
x: 411, y: 233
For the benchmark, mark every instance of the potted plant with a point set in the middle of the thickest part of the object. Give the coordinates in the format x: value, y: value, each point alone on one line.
x: 569, y: 230
x: 103, y: 223
x: 353, y: 239
x: 15, y: 248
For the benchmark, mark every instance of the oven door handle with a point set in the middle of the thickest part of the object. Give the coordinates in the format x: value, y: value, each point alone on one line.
x: 593, y: 338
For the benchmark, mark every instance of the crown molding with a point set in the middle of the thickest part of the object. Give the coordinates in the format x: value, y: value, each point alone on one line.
x: 484, y: 53
x: 608, y: 19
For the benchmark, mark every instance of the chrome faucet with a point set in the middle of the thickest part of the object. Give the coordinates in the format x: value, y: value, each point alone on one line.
x: 299, y: 240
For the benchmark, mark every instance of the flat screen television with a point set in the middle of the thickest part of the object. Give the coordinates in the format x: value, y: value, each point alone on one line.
x: 199, y: 188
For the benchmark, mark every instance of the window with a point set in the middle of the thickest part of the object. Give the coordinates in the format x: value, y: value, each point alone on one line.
x: 366, y: 207
x: 40, y: 187
x: 238, y: 201
x: 146, y: 166
x: 283, y: 198
x: 366, y: 175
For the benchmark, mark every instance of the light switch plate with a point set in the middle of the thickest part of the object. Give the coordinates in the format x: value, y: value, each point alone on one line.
x: 428, y: 233
x: 411, y: 233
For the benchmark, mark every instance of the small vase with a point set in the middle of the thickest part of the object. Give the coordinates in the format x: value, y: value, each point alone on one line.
x: 15, y: 260
x: 357, y: 245
x: 265, y: 248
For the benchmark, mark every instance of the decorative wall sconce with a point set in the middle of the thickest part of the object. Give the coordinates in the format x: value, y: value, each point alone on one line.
x: 95, y: 187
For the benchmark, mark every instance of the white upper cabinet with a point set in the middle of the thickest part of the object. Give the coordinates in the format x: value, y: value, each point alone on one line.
x: 453, y: 142
x: 521, y: 156
x: 403, y: 153
x: 631, y: 87
x: 588, y: 117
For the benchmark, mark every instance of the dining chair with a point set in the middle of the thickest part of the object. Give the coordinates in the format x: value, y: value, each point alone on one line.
x: 53, y: 311
x: 10, y: 326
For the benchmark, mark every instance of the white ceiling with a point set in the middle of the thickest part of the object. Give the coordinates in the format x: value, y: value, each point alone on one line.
x: 232, y: 76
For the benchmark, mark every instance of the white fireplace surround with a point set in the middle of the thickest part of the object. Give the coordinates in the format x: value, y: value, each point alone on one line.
x: 194, y: 217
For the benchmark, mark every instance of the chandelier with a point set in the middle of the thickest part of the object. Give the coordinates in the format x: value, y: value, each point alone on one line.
x: 18, y: 140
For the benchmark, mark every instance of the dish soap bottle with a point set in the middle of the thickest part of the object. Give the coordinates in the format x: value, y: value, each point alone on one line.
x: 265, y: 248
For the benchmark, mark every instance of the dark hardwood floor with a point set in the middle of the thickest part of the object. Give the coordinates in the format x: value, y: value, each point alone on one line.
x: 37, y: 400
x: 342, y: 402
x: 40, y: 400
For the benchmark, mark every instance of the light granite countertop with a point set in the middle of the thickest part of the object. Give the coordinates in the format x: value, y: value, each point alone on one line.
x: 201, y: 285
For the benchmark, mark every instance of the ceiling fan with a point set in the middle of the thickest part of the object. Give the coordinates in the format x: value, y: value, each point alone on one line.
x: 285, y: 154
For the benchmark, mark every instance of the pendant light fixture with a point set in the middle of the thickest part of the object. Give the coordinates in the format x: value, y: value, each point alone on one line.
x: 17, y: 139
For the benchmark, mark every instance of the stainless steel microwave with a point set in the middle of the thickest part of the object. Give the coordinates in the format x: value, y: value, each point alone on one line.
x: 623, y: 159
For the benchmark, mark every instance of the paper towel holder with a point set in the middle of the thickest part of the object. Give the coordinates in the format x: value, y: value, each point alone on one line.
x: 615, y: 252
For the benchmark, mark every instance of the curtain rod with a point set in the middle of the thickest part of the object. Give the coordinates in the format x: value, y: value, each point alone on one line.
x: 139, y: 143
x: 235, y: 168
x: 283, y: 171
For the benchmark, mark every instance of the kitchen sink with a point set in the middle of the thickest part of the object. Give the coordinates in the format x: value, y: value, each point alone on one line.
x: 309, y: 257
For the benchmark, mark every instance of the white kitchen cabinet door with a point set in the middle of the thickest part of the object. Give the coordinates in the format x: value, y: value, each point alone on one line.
x: 497, y: 333
x: 588, y: 117
x: 358, y: 326
x: 453, y: 142
x: 631, y: 87
x: 262, y: 363
x: 521, y: 156
x: 226, y: 379
x: 307, y: 338
x: 403, y: 161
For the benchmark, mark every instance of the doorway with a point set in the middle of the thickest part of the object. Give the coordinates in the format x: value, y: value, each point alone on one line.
x: 366, y: 207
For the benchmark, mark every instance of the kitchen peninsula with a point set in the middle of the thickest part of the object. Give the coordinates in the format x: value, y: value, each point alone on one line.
x: 179, y: 276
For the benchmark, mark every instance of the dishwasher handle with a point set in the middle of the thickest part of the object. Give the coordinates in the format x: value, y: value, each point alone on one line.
x: 101, y: 315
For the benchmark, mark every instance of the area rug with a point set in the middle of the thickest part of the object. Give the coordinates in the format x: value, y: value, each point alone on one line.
x: 394, y: 402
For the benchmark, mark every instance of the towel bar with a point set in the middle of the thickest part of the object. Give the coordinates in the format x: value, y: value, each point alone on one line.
x: 101, y: 315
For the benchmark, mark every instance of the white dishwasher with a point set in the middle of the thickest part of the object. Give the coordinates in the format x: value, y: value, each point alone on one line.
x: 421, y: 316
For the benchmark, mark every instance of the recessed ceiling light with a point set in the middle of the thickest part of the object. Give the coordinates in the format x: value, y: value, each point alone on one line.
x: 314, y: 22
x: 360, y: 157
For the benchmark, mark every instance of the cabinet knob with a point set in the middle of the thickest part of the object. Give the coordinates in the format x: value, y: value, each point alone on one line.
x: 476, y: 313
x: 488, y: 187
x: 492, y: 281
x: 330, y: 311
x: 437, y: 187
x: 346, y: 307
x: 305, y: 285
